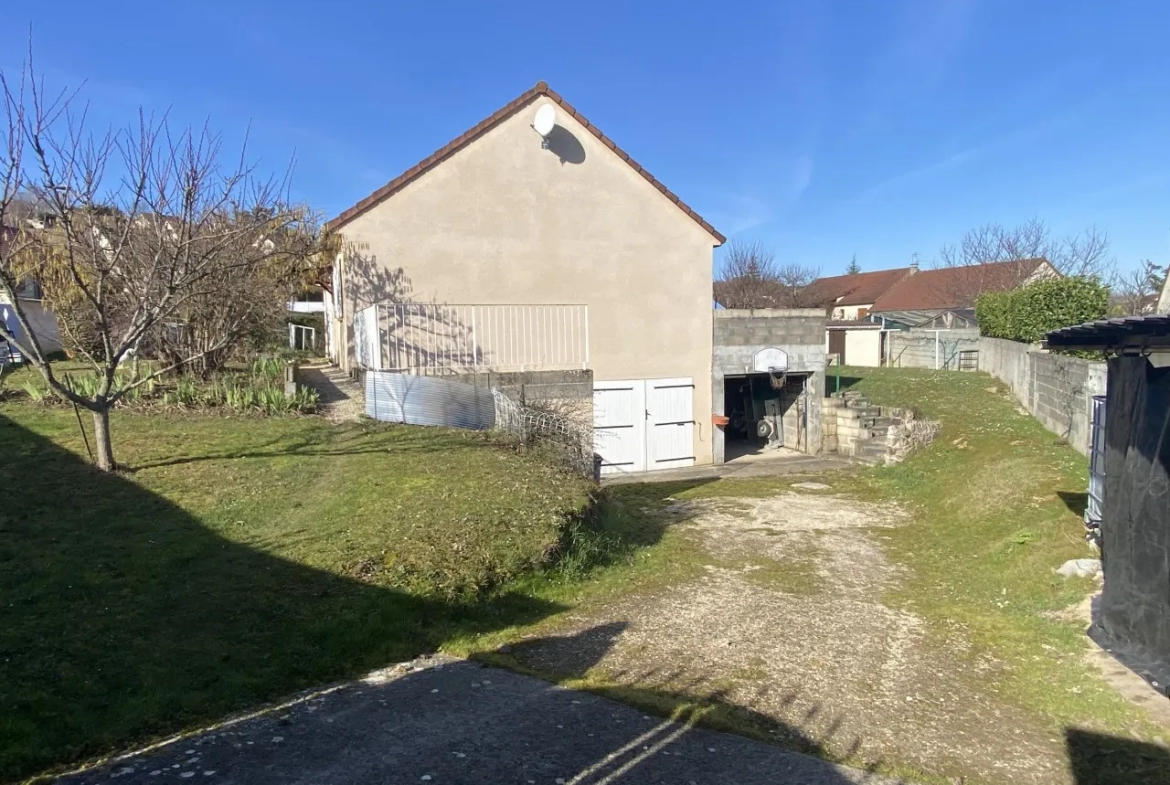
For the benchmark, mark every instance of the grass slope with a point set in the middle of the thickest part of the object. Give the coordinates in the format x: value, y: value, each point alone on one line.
x: 999, y: 502
x: 244, y: 558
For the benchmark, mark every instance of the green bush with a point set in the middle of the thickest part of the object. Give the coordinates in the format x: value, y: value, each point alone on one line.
x: 1031, y: 312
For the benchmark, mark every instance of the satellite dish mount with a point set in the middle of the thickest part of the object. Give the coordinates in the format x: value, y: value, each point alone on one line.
x: 544, y: 122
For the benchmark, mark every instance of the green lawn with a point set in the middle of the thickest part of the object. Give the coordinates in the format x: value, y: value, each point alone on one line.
x: 241, y: 559
x: 245, y: 558
x: 996, y: 504
x: 999, y: 502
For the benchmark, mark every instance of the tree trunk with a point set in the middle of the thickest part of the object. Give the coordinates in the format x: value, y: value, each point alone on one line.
x: 103, y: 448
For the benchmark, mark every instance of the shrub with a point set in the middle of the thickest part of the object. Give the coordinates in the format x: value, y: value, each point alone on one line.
x: 1031, y: 312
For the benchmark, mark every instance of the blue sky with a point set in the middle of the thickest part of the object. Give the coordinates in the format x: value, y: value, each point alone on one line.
x: 823, y: 129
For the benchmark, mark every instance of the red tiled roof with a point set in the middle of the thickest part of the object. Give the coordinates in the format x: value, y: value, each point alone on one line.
x: 856, y: 289
x: 954, y: 287
x: 457, y: 144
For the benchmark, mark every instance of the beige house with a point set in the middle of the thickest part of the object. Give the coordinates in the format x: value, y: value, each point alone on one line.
x: 40, y: 319
x: 557, y: 243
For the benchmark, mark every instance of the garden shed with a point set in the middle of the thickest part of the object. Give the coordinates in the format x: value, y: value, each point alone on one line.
x: 1134, y: 617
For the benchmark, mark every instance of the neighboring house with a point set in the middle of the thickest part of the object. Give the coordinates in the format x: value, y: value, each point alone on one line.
x: 930, y: 293
x: 507, y: 250
x: 849, y: 297
x: 311, y: 300
x: 1132, y: 620
x: 855, y: 342
x: 40, y: 319
x: 862, y: 315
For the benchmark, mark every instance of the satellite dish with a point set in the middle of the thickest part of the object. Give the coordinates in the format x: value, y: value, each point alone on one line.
x: 546, y: 118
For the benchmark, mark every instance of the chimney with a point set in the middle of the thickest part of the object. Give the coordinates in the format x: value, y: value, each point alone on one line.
x: 913, y: 267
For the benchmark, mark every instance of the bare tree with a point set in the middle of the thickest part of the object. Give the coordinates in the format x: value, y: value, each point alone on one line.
x: 796, y: 282
x: 1017, y: 249
x: 1136, y: 293
x: 155, y: 237
x: 751, y: 278
x: 1083, y: 254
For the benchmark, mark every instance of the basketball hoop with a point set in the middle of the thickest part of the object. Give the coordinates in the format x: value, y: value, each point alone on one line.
x: 777, y: 377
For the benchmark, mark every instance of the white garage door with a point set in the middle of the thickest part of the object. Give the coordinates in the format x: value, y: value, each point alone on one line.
x: 644, y: 424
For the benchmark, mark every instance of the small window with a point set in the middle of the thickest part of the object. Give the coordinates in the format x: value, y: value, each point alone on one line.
x: 29, y: 289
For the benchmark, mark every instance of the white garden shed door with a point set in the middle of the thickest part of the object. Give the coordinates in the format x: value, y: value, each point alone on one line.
x: 644, y: 424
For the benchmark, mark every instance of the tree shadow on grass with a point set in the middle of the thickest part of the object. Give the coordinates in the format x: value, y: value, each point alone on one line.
x: 124, y: 617
x: 353, y: 440
x: 1099, y: 759
x: 690, y: 701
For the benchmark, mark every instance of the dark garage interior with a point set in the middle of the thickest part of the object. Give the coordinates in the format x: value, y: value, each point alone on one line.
x: 766, y: 412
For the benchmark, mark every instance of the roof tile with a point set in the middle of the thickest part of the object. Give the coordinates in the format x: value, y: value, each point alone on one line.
x: 954, y: 287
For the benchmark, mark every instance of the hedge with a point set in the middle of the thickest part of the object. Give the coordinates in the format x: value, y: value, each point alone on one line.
x: 1031, y: 312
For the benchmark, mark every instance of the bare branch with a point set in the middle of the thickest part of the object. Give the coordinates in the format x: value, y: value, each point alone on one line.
x: 154, y: 244
x: 751, y: 278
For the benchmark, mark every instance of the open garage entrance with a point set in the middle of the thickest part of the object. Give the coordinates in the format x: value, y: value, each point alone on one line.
x: 767, y: 412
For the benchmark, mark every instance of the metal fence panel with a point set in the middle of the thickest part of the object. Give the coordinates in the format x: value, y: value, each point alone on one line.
x: 427, y: 338
x: 421, y: 400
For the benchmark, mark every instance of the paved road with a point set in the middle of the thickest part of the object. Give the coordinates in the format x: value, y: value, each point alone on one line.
x: 449, y: 721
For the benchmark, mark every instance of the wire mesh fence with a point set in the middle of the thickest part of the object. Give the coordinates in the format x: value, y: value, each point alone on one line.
x: 549, y: 424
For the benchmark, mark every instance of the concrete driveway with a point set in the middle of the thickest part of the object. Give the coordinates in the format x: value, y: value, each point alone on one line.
x: 450, y: 721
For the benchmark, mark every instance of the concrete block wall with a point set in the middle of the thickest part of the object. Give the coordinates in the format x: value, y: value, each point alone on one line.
x: 918, y: 349
x: 799, y: 332
x: 1008, y: 361
x: 1058, y: 390
x: 850, y: 430
x: 569, y: 392
x: 1062, y: 392
x: 745, y: 326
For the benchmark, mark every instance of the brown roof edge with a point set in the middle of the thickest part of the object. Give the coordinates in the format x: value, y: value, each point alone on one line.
x: 458, y: 143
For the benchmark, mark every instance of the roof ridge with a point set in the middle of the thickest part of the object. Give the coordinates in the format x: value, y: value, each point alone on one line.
x: 478, y: 130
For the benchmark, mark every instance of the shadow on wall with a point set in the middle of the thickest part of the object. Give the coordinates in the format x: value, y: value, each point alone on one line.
x: 124, y: 617
x: 565, y: 146
x: 1098, y: 759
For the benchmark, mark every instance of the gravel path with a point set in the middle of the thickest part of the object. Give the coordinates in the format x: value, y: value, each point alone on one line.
x: 827, y: 662
x: 342, y: 399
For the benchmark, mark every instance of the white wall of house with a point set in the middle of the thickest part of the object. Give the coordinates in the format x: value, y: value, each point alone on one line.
x: 503, y: 221
x: 40, y: 319
x: 863, y: 348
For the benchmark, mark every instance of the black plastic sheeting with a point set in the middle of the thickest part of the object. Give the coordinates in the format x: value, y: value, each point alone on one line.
x: 1134, y: 615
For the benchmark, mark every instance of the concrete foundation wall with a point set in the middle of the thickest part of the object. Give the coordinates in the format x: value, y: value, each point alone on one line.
x: 921, y: 349
x: 800, y: 333
x: 1057, y: 390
